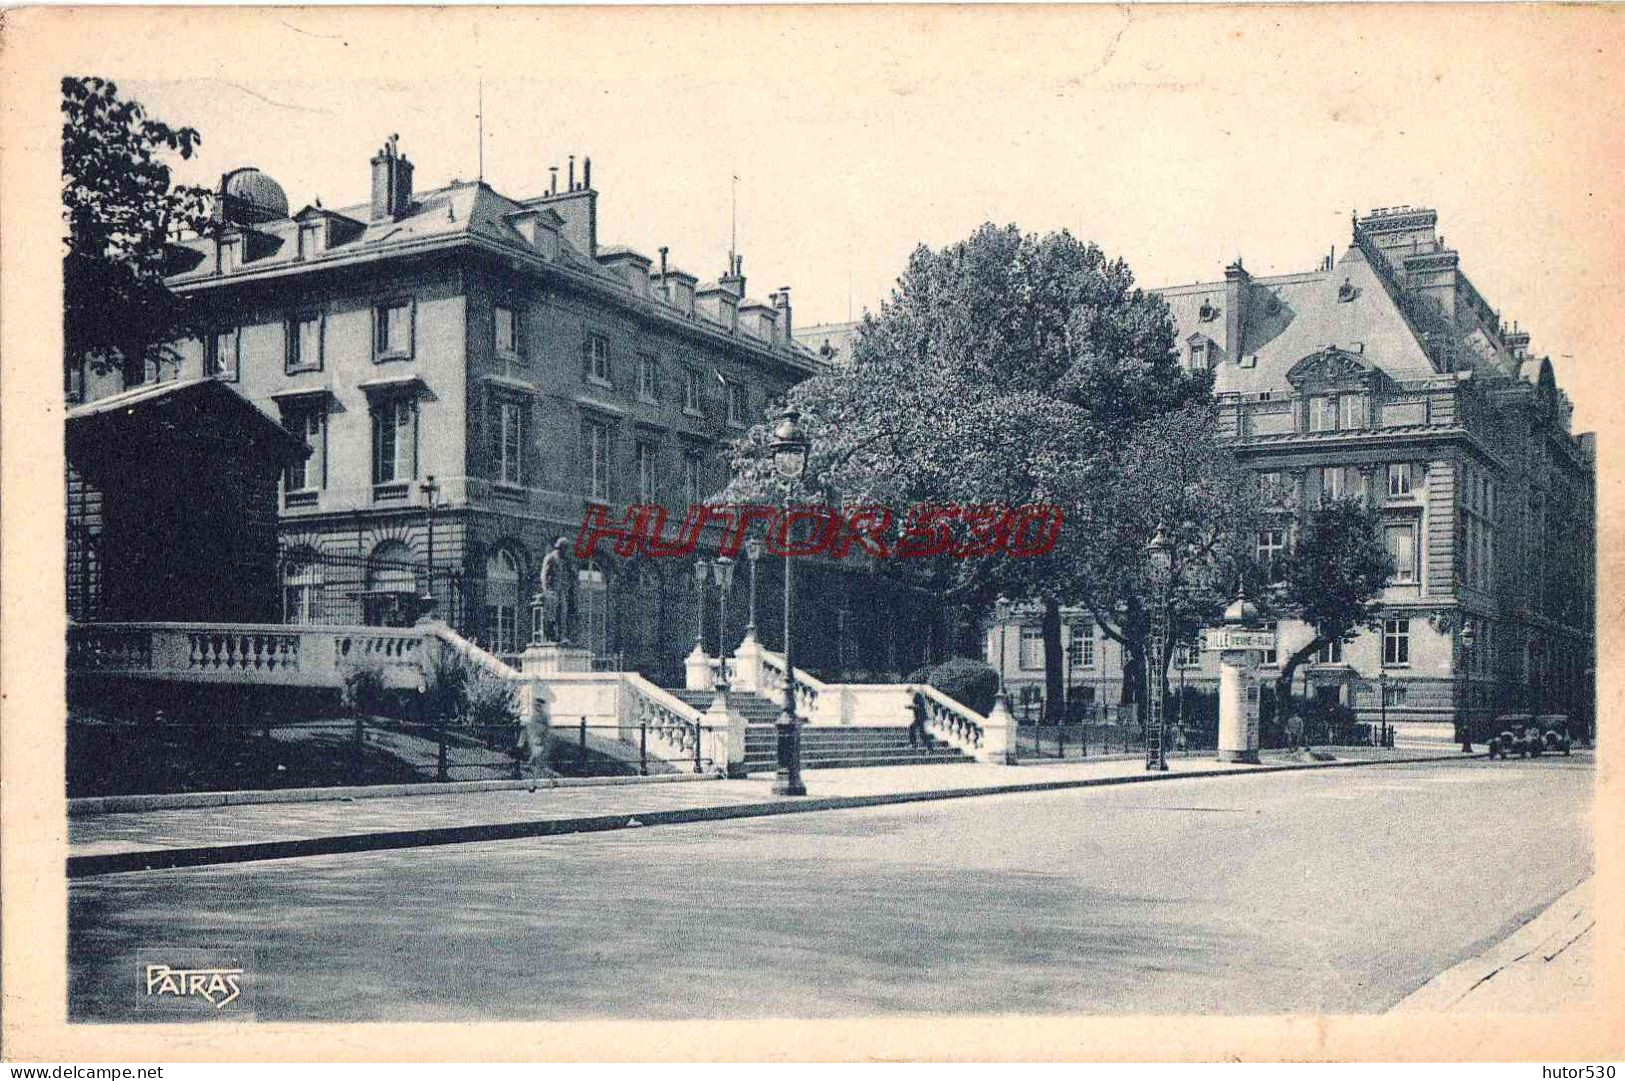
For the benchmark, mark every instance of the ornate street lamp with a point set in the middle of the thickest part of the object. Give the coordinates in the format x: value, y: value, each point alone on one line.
x: 1161, y: 554
x: 1469, y: 638
x: 701, y: 572
x: 1001, y: 609
x: 431, y: 494
x: 790, y: 448
x: 753, y: 549
x: 724, y: 571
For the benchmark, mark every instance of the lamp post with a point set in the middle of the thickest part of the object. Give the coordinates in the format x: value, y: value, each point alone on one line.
x: 701, y: 570
x: 789, y: 447
x: 1468, y: 638
x: 724, y: 571
x: 1161, y: 554
x: 431, y: 493
x: 1382, y: 706
x: 1001, y: 609
x: 753, y: 550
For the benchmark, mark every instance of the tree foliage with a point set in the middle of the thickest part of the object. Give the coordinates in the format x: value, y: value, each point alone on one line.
x: 1332, y: 580
x: 1009, y: 369
x: 120, y: 210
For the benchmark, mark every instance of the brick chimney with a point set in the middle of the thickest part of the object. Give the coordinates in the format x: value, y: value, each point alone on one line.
x: 734, y: 280
x: 577, y: 206
x: 1237, y: 284
x: 391, y: 182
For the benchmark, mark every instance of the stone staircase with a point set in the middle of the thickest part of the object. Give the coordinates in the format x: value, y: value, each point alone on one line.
x: 822, y: 747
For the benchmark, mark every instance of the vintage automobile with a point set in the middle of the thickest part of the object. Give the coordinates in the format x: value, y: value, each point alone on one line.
x: 1529, y: 737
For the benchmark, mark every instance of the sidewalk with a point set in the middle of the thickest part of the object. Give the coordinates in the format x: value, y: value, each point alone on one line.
x: 1543, y: 967
x: 178, y: 837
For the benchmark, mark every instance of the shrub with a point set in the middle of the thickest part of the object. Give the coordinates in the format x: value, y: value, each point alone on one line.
x: 490, y: 701
x: 966, y: 680
x: 445, y: 685
x: 363, y: 690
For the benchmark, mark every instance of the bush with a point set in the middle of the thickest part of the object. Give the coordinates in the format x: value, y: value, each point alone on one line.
x: 965, y: 680
x: 490, y: 701
x: 363, y: 690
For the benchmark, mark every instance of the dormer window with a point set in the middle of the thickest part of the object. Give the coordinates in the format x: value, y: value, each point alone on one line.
x: 1199, y: 355
x: 310, y: 241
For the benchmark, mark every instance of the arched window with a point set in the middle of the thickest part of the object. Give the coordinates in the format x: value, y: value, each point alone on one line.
x: 302, y: 589
x: 392, y: 585
x: 502, y: 602
x: 592, y: 599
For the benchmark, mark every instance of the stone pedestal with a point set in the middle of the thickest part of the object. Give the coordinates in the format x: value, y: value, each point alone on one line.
x: 697, y: 671
x: 999, y: 735
x: 724, y: 737
x: 747, y: 674
x: 551, y: 658
x: 1238, y: 725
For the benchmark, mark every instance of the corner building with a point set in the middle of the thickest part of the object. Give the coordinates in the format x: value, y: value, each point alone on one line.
x: 1384, y: 374
x: 472, y: 372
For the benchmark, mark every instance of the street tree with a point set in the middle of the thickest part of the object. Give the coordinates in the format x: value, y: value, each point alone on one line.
x: 1004, y: 369
x: 1332, y: 580
x: 121, y: 209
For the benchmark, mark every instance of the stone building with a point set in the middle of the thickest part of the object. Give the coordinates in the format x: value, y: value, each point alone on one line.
x: 1383, y: 373
x: 472, y: 372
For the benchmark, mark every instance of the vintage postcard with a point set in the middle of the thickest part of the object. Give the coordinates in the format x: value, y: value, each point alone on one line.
x: 841, y: 532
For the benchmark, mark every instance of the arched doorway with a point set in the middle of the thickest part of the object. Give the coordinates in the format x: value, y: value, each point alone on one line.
x: 502, y: 602
x: 592, y: 607
x: 390, y: 599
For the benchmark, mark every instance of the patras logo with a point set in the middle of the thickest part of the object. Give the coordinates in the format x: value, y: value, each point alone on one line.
x: 217, y: 986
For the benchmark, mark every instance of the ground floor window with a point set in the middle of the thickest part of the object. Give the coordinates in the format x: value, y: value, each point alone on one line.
x: 592, y: 598
x: 302, y: 593
x: 1032, y: 647
x: 1396, y: 641
x: 502, y: 602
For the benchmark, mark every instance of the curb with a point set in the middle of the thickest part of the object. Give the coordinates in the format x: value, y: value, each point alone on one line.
x: 1548, y: 934
x: 165, y: 858
x: 86, y: 806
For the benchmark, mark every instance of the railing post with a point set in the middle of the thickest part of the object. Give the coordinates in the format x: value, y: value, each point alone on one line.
x: 698, y: 741
x: 643, y: 747
x: 356, y: 749
x: 581, y: 750
x: 442, y: 773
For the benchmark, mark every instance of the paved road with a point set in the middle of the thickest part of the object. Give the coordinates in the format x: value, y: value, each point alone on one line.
x: 1340, y: 890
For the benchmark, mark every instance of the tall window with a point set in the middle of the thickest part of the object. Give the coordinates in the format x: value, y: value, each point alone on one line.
x: 1032, y: 646
x: 309, y: 474
x: 1351, y: 411
x: 510, y: 443
x: 648, y: 378
x: 223, y: 355
x: 1396, y: 642
x: 1399, y: 480
x: 1322, y: 414
x: 738, y: 404
x: 648, y: 481
x: 302, y: 592
x: 304, y: 343
x: 595, y: 351
x: 691, y: 391
x: 392, y: 330
x: 1331, y: 652
x: 502, y: 602
x: 1402, y: 547
x: 1271, y: 550
x: 691, y: 478
x: 1198, y: 361
x: 1269, y: 486
x: 507, y: 332
x: 592, y: 594
x: 596, y: 438
x: 395, y: 441
x: 1083, y: 645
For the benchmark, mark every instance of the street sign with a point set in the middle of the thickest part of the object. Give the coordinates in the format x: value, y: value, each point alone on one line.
x: 1233, y: 639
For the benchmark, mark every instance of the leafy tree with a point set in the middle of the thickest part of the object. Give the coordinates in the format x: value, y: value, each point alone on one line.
x: 1332, y: 580
x: 1006, y: 368
x: 120, y: 211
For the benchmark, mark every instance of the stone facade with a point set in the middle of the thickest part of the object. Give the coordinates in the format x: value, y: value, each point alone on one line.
x: 1384, y: 373
x: 491, y: 343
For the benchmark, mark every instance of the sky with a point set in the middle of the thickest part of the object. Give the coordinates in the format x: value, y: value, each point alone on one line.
x: 1178, y: 139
